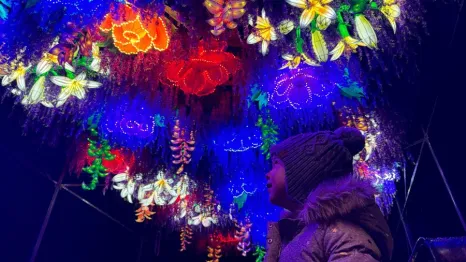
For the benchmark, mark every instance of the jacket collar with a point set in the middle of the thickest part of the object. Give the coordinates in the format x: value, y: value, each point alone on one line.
x: 336, y: 198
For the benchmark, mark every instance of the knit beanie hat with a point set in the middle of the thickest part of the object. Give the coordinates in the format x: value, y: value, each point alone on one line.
x: 311, y: 158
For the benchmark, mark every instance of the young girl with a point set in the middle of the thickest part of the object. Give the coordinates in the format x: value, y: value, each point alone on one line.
x: 329, y: 214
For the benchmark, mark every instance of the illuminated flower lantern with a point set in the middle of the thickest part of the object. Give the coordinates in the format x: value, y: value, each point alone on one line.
x: 132, y: 33
x: 299, y: 89
x: 205, y: 69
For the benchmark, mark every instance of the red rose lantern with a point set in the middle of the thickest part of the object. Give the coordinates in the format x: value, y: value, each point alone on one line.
x: 206, y: 68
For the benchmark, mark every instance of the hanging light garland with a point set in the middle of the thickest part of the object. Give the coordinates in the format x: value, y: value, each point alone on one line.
x: 214, y: 249
x: 186, y: 235
x: 99, y: 150
x: 143, y: 213
x: 181, y: 146
x: 224, y: 13
x: 243, y: 233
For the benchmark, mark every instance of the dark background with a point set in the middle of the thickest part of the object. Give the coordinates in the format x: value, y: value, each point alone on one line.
x: 77, y: 232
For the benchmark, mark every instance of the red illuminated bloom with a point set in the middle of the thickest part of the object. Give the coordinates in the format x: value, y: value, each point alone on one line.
x: 206, y: 69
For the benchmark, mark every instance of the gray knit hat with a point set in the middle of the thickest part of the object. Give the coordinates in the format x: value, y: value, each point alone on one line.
x: 314, y: 157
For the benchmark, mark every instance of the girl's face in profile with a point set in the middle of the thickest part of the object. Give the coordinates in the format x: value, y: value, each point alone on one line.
x: 276, y: 183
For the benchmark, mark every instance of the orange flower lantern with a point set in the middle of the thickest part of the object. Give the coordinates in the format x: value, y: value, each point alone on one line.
x: 133, y: 33
x: 208, y: 67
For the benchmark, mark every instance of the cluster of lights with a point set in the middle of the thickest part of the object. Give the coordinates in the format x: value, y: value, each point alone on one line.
x: 131, y: 124
x: 382, y: 176
x: 132, y: 127
x: 77, y: 4
x: 241, y: 144
x: 298, y: 89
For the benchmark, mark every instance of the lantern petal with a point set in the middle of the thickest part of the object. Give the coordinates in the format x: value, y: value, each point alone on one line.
x: 107, y: 24
x: 81, y: 77
x: 150, y: 26
x: 337, y: 51
x: 43, y: 67
x: 118, y: 35
x: 326, y: 11
x: 365, y: 31
x: 144, y: 43
x: 9, y: 78
x: 46, y: 104
x: 80, y: 93
x: 231, y: 25
x: 264, y: 47
x: 37, y: 90
x: 95, y: 64
x: 298, y: 3
x: 163, y: 39
x: 238, y: 12
x: 214, y: 6
x: 21, y: 83
x: 253, y: 38
x: 93, y: 84
x: 306, y: 17
x: 60, y: 80
x: 63, y: 96
x: 128, y: 49
x: 319, y: 46
x: 391, y: 12
x: 288, y: 57
x: 215, y: 21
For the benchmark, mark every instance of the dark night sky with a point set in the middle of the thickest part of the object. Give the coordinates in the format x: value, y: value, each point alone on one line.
x: 77, y: 232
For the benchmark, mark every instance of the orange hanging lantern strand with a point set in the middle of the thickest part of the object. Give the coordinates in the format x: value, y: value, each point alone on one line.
x: 143, y: 213
x: 206, y: 69
x: 186, y: 235
x: 132, y: 33
x: 181, y: 147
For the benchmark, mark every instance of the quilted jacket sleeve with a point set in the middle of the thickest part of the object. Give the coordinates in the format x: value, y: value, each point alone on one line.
x: 347, y: 242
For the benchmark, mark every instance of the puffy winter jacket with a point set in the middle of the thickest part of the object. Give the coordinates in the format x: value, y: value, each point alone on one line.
x: 339, y: 222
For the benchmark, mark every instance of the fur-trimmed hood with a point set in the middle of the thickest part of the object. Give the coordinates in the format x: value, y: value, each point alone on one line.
x: 336, y: 199
x: 348, y: 199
